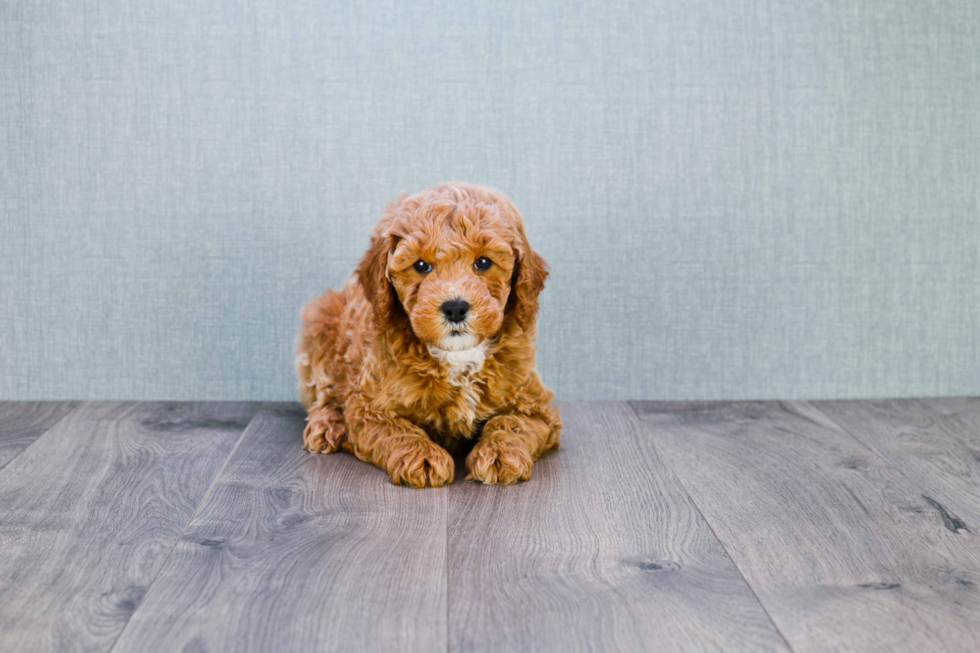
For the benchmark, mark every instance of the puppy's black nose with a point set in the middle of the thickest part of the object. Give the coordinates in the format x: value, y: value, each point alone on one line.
x: 455, y: 310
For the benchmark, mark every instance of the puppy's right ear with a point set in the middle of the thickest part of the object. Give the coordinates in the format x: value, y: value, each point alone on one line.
x: 372, y: 272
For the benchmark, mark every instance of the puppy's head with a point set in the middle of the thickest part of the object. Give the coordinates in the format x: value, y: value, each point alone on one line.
x: 452, y: 264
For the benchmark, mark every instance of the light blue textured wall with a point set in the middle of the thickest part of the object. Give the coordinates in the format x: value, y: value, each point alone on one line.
x: 739, y: 199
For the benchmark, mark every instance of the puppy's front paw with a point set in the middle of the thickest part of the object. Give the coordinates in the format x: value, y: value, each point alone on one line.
x: 419, y: 462
x: 325, y: 431
x: 504, y: 460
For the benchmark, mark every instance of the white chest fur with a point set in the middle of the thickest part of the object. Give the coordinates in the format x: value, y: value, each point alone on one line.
x: 460, y: 363
x: 460, y: 367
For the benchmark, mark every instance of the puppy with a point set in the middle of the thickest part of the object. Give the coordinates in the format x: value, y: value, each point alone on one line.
x: 431, y: 343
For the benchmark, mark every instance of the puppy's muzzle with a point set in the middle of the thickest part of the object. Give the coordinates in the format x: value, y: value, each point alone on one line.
x: 455, y: 310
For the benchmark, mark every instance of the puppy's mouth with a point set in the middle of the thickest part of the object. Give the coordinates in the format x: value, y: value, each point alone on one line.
x: 456, y: 329
x: 458, y: 339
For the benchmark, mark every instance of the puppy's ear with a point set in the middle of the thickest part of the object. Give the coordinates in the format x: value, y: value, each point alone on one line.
x: 372, y: 272
x: 530, y: 272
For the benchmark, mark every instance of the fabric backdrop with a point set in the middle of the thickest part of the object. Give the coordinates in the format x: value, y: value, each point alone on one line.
x: 738, y: 199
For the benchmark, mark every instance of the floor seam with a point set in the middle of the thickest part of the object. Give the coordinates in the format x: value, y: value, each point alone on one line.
x: 46, y: 431
x: 721, y: 543
x: 885, y: 460
x: 848, y: 433
x: 173, y: 548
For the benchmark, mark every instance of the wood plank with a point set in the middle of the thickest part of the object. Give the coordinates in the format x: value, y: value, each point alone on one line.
x: 843, y: 551
x: 23, y: 422
x: 601, y: 550
x: 934, y: 443
x: 89, y: 512
x: 293, y: 551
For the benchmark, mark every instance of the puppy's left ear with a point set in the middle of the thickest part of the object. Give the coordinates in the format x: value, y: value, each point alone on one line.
x: 530, y: 272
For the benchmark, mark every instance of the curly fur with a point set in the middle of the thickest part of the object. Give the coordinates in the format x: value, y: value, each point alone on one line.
x: 384, y: 376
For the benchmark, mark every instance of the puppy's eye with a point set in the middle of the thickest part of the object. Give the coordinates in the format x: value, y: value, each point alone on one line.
x: 483, y: 263
x: 422, y: 267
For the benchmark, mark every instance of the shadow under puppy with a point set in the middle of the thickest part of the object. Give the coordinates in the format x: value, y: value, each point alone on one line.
x: 430, y: 343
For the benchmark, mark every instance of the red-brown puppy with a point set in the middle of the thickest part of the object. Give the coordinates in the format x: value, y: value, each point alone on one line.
x: 431, y: 342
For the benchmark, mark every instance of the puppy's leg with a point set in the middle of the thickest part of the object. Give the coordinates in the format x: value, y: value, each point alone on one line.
x: 325, y: 430
x: 511, y: 443
x: 396, y: 445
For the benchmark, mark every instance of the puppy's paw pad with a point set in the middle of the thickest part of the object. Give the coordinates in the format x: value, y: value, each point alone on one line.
x: 421, y: 463
x: 493, y: 461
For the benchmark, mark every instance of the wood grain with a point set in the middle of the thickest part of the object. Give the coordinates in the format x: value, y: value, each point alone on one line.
x: 90, y: 511
x: 23, y: 422
x: 855, y: 523
x: 294, y: 551
x: 842, y: 550
x: 601, y: 550
x: 934, y: 443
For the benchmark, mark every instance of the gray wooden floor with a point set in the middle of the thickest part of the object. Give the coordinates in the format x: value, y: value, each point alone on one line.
x: 657, y: 526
